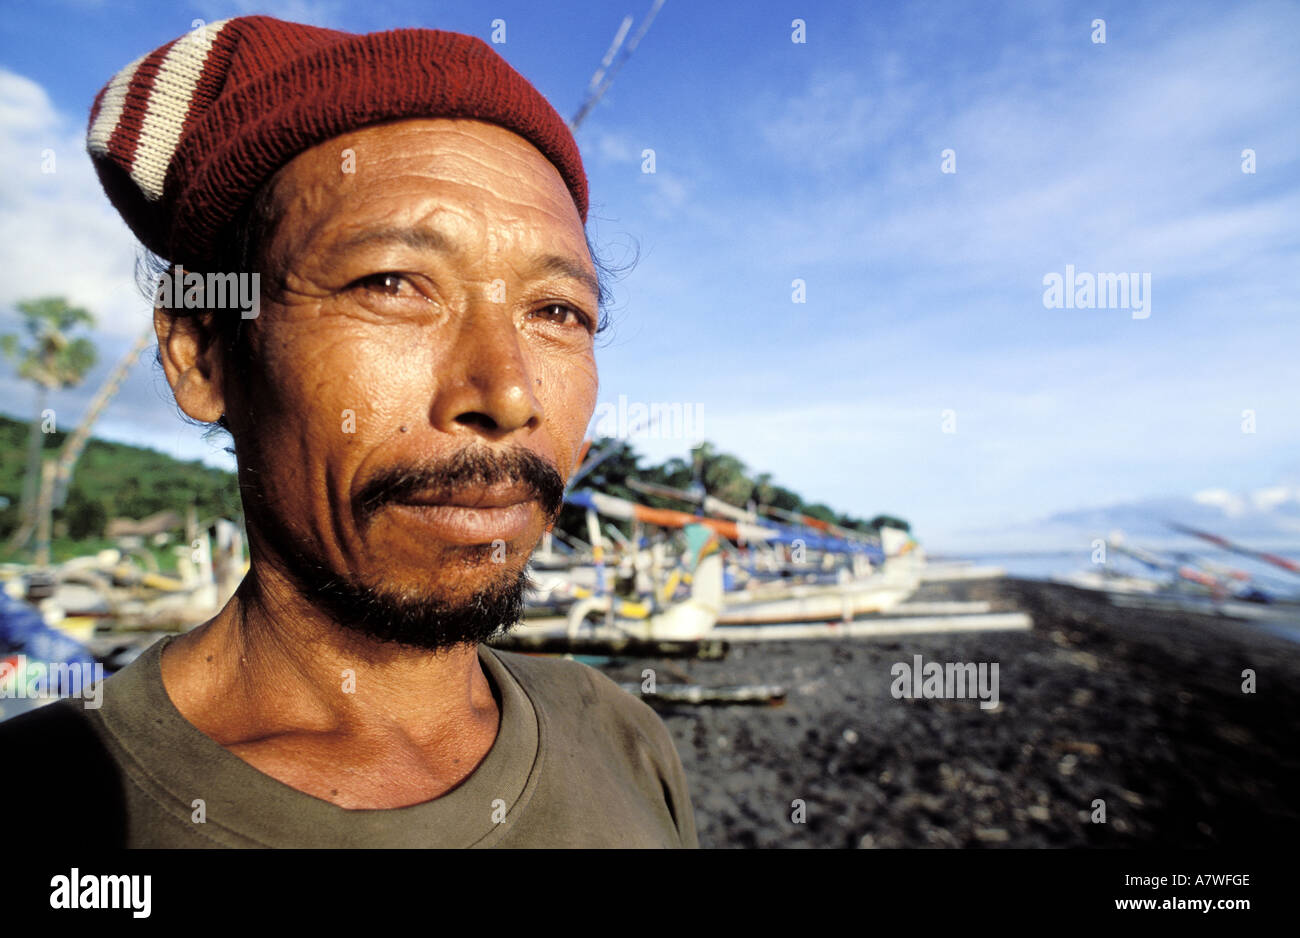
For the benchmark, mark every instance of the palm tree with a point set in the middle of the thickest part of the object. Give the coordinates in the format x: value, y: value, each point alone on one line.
x: 722, y: 475
x: 52, y: 361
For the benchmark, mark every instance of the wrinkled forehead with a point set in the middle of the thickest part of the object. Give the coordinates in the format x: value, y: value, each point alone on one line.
x: 477, y: 183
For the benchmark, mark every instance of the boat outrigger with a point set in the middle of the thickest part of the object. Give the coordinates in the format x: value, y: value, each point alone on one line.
x: 747, y: 576
x: 1180, y: 582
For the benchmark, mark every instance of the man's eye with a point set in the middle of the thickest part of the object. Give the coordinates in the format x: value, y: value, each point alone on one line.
x: 563, y: 315
x: 385, y: 284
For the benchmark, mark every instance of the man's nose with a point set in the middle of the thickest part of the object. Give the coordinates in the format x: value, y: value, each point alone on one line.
x: 485, y: 384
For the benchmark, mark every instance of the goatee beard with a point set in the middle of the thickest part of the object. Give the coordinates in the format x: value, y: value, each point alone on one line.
x: 431, y: 623
x: 415, y: 615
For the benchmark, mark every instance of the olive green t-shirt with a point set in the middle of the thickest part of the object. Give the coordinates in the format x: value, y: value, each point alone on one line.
x: 577, y: 762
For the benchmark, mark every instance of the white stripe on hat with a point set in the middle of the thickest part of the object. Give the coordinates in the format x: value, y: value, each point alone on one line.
x: 110, y: 109
x: 169, y: 104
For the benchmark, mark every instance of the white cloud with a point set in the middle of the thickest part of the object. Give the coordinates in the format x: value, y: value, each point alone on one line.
x: 668, y: 192
x: 1231, y: 504
x: 613, y: 148
x: 60, y: 233
x: 62, y: 237
x: 1274, y: 496
x: 840, y: 117
x: 1144, y: 167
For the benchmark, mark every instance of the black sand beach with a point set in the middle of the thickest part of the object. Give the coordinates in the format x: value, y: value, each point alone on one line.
x: 1142, y: 710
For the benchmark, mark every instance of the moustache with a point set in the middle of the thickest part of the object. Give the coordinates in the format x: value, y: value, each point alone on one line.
x: 469, y: 468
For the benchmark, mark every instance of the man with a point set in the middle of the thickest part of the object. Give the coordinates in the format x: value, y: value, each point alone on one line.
x: 406, y: 403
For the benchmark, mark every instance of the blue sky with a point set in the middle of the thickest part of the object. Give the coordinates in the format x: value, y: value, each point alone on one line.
x: 821, y: 161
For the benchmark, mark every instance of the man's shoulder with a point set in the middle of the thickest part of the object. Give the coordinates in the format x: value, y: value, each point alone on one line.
x: 557, y: 678
x: 607, y: 750
x: 575, y: 690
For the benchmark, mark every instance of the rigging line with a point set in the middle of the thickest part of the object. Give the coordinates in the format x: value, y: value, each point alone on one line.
x: 609, y: 72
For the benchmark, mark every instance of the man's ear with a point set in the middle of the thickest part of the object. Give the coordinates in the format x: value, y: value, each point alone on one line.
x: 191, y: 358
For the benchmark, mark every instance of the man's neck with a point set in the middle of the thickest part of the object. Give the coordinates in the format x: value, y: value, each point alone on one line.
x: 359, y: 723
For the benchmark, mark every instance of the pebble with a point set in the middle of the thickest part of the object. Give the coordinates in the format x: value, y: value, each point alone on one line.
x: 934, y: 772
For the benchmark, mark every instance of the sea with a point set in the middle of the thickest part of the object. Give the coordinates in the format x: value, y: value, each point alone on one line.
x: 1044, y: 565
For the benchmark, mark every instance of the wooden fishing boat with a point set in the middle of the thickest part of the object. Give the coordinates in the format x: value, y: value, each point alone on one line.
x: 1194, y: 585
x: 687, y: 619
x: 875, y: 594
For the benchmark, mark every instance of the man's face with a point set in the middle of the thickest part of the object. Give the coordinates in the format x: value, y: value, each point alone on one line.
x: 422, y: 375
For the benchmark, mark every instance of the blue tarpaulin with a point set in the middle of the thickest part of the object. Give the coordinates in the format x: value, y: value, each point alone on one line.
x: 22, y: 630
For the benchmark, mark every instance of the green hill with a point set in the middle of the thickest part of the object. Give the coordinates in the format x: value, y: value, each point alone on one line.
x: 119, y: 480
x: 114, y: 480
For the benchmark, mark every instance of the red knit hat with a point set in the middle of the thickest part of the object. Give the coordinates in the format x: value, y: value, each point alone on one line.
x: 183, y: 137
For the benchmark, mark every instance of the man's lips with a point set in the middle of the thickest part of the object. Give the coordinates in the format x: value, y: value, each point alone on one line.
x: 472, y: 516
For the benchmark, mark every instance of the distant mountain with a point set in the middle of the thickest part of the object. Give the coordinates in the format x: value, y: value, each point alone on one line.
x: 1266, y: 518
